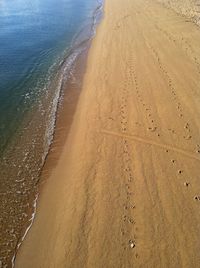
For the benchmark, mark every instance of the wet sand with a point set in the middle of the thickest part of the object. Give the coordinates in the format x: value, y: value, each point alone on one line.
x: 125, y: 190
x: 65, y: 113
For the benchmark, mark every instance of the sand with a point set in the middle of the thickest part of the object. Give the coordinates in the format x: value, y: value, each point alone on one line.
x: 125, y: 191
x: 188, y: 8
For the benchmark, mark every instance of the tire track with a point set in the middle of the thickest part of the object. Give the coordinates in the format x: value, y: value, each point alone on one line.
x: 150, y: 142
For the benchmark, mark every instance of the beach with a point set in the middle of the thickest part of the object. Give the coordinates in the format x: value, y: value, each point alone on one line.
x: 125, y: 191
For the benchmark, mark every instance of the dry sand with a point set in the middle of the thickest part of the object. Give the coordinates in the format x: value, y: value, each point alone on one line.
x: 125, y: 191
x: 188, y: 8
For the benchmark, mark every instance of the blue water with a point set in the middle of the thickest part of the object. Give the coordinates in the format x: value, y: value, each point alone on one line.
x: 40, y: 41
x: 34, y: 34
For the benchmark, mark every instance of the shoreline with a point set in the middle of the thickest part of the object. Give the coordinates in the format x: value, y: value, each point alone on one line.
x: 134, y: 89
x: 66, y: 107
x: 36, y: 133
x: 64, y: 116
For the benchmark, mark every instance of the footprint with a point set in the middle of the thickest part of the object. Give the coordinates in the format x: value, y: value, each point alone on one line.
x: 197, y: 197
x: 124, y: 218
x: 131, y: 221
x: 110, y: 118
x: 132, y: 244
x: 122, y: 232
x: 186, y: 126
x: 198, y: 149
x: 152, y: 129
x: 136, y: 255
x: 187, y: 137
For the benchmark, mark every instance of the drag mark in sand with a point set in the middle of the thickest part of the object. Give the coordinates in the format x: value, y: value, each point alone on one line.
x: 150, y: 142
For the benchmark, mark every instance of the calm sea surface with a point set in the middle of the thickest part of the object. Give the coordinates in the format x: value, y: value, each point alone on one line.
x: 34, y: 34
x: 40, y: 41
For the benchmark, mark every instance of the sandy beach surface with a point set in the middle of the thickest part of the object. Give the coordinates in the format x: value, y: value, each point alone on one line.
x: 188, y: 8
x: 125, y: 191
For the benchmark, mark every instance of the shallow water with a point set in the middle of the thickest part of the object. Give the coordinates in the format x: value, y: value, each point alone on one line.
x: 40, y: 41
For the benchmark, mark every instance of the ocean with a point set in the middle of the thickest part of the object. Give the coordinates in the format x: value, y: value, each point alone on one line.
x: 40, y: 41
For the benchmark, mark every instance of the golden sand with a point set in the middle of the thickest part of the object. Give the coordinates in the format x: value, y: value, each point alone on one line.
x: 125, y: 191
x: 188, y: 8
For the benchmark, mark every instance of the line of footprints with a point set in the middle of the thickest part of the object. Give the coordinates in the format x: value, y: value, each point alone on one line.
x: 127, y: 219
x: 187, y: 129
x: 128, y: 205
x: 183, y: 42
x: 152, y: 126
x: 186, y: 125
